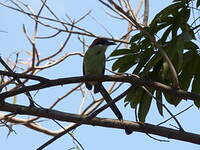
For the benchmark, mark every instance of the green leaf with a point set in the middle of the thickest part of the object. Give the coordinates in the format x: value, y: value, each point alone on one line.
x: 178, y: 60
x: 196, y: 84
x: 134, y: 47
x: 182, y: 1
x: 118, y: 52
x: 163, y: 23
x: 172, y: 99
x: 191, y: 46
x: 166, y: 12
x: 184, y: 16
x: 144, y: 107
x: 175, y: 31
x: 152, y: 62
x: 196, y: 87
x: 190, y: 68
x: 144, y: 44
x: 123, y: 62
x: 126, y: 67
x: 134, y: 96
x: 185, y: 77
x: 198, y: 3
x: 166, y: 34
x: 189, y: 56
x: 159, y: 102
x: 144, y: 58
x: 149, y: 30
x: 197, y: 103
x: 136, y: 37
x: 174, y: 50
x: 186, y: 37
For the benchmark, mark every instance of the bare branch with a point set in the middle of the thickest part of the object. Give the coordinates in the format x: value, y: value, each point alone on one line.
x: 146, y: 12
x: 110, y: 123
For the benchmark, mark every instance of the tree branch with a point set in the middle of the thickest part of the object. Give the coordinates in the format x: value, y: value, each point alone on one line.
x: 118, y: 78
x: 104, y: 122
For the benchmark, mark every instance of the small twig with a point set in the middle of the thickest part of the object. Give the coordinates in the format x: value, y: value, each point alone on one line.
x: 58, y: 60
x: 59, y: 50
x: 107, y: 31
x: 48, y: 37
x: 175, y: 115
x: 146, y: 12
x: 156, y: 138
x: 25, y: 76
x: 31, y: 101
x: 138, y: 7
x: 64, y: 96
x: 171, y: 114
x: 83, y: 17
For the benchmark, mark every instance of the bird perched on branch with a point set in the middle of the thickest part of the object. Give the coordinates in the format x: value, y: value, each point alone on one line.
x: 94, y: 64
x: 94, y: 61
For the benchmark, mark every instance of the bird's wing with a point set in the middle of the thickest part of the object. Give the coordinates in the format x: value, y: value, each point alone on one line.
x: 88, y: 86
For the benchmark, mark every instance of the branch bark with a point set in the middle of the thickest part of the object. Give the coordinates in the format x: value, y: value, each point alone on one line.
x: 45, y: 83
x: 103, y: 122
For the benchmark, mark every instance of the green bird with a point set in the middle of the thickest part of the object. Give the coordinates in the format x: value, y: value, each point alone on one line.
x: 94, y: 64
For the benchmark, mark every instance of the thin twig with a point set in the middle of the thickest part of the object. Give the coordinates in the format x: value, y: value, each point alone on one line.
x: 175, y: 115
x: 171, y: 114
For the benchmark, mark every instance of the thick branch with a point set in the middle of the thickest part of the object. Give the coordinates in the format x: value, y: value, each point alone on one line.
x: 21, y: 75
x: 126, y: 79
x: 109, y: 123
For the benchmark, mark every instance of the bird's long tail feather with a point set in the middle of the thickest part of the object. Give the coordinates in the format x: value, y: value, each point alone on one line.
x: 100, y: 88
x: 108, y: 99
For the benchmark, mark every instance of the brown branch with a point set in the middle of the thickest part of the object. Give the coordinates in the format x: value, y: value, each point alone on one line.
x: 59, y: 50
x: 31, y: 101
x: 84, y: 31
x: 146, y: 12
x: 25, y: 76
x: 28, y: 124
x: 57, y: 61
x: 109, y: 123
x: 85, y: 119
x: 126, y: 79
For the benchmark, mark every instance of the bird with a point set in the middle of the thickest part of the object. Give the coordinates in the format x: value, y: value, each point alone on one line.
x: 94, y: 61
x: 94, y: 64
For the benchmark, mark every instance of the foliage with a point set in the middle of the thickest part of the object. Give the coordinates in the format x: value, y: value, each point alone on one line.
x: 177, y: 38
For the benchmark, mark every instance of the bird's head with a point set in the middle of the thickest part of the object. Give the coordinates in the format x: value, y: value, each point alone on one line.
x: 101, y: 41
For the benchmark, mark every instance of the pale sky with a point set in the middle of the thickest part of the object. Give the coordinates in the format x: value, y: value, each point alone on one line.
x: 90, y: 137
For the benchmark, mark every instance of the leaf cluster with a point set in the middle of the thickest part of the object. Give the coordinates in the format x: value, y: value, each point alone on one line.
x: 172, y: 31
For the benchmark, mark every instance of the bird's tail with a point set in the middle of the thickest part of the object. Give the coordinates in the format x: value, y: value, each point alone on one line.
x: 100, y: 88
x: 97, y: 87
